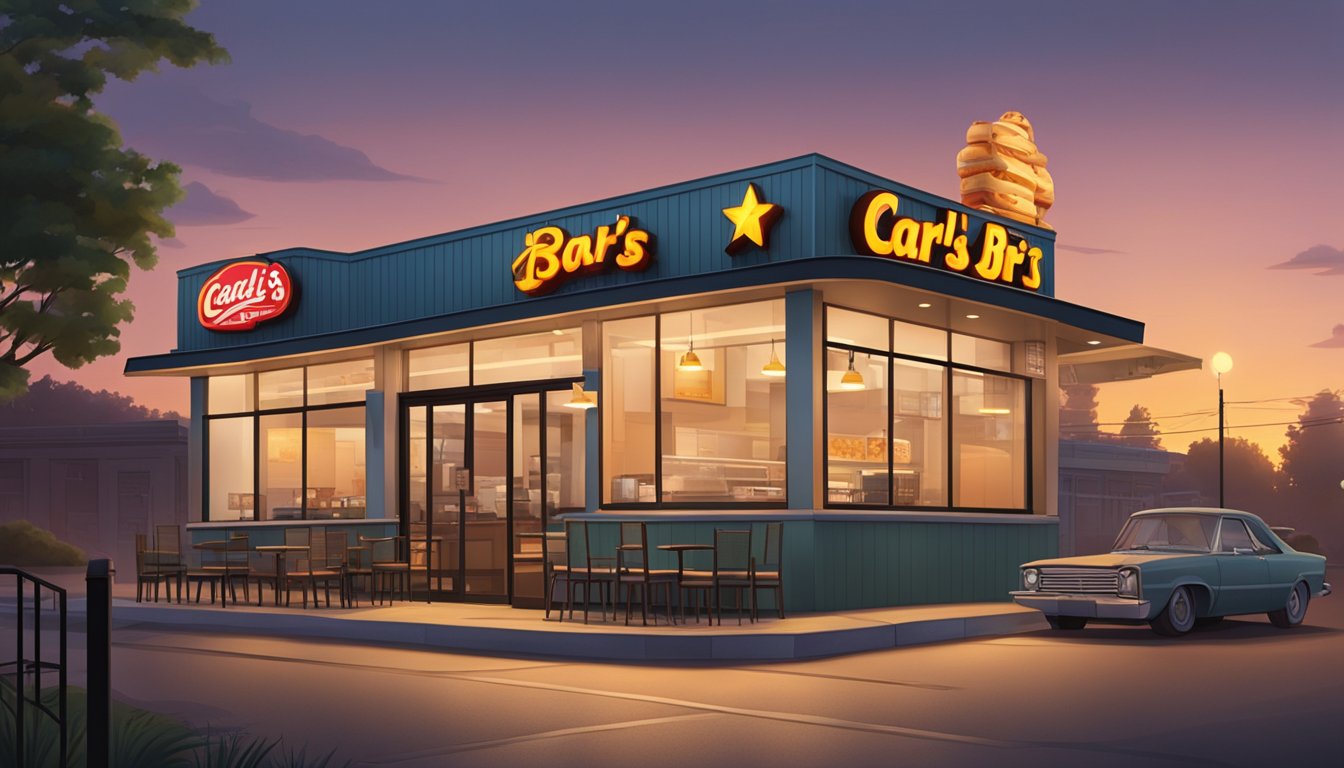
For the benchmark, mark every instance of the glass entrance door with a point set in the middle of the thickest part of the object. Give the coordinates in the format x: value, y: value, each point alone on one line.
x: 484, y: 475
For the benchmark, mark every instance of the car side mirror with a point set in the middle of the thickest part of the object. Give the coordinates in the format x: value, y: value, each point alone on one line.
x: 1243, y: 551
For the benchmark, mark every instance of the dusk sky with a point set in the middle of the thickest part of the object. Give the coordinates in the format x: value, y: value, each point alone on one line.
x: 1193, y: 146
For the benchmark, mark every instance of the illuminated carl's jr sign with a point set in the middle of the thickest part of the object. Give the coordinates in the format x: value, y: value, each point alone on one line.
x: 997, y: 255
x: 550, y: 255
x: 242, y: 294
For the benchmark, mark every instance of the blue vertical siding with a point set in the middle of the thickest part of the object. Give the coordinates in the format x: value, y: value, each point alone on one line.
x: 470, y: 270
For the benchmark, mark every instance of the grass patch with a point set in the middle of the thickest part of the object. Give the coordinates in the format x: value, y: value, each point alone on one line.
x: 143, y: 738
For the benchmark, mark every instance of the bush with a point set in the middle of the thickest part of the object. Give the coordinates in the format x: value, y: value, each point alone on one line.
x: 22, y: 543
x: 1304, y: 542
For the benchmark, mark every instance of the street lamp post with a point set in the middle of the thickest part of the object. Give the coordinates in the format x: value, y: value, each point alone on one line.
x: 1221, y: 363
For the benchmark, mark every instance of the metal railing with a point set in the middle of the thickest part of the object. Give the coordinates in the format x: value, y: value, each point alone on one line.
x: 27, y: 673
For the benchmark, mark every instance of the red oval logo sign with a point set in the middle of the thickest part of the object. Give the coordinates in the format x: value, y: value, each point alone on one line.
x: 242, y: 294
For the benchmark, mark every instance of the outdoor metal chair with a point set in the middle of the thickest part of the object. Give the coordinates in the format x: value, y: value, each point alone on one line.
x: 390, y: 565
x: 223, y: 566
x: 322, y: 566
x: 768, y: 572
x: 632, y: 570
x: 168, y: 555
x: 732, y: 570
x: 588, y: 570
x: 146, y: 572
x: 555, y: 570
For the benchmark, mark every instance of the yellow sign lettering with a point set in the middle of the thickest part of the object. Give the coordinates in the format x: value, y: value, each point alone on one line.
x: 550, y: 254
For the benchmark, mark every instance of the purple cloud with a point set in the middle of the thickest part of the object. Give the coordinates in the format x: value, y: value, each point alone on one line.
x: 1085, y: 249
x: 1336, y: 339
x: 1328, y: 260
x: 190, y: 128
x: 203, y: 207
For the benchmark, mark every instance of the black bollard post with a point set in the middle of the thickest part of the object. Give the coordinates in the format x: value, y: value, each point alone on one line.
x: 98, y: 728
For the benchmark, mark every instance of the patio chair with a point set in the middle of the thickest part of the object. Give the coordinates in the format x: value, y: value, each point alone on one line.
x: 768, y: 572
x: 732, y: 570
x: 390, y: 566
x: 322, y: 566
x: 358, y: 565
x: 555, y: 569
x: 223, y: 566
x: 588, y: 570
x: 146, y: 572
x: 632, y: 569
x: 168, y: 555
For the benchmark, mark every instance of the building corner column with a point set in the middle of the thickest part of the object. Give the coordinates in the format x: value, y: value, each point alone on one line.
x: 804, y: 366
x: 196, y: 468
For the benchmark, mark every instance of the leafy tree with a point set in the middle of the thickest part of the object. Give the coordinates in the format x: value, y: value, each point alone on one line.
x: 1139, y: 429
x: 51, y: 403
x: 1251, y: 479
x: 1078, y: 413
x: 1313, y: 467
x: 76, y: 207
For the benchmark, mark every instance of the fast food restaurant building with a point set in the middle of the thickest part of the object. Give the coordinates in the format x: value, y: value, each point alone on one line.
x: 803, y: 341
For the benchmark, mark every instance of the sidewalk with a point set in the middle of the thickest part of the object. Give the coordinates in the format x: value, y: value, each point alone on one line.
x: 501, y: 630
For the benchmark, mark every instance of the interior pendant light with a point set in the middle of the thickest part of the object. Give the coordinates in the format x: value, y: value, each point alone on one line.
x: 774, y: 368
x: 852, y: 380
x: 581, y: 400
x: 690, y: 361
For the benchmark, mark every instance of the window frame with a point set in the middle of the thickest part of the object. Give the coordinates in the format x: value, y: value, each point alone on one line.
x: 658, y: 504
x: 950, y: 368
x: 255, y: 414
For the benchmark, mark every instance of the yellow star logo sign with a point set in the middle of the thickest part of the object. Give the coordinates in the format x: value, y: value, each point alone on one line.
x: 751, y: 222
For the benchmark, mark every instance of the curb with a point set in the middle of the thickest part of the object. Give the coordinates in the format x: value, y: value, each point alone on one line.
x: 591, y: 646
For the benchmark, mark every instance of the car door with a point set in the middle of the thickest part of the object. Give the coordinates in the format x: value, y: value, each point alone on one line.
x: 1243, y: 573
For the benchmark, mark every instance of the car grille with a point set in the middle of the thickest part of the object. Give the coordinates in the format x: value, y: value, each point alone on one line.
x: 1086, y: 581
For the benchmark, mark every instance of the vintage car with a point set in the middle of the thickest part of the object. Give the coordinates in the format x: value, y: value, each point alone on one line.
x: 1175, y: 567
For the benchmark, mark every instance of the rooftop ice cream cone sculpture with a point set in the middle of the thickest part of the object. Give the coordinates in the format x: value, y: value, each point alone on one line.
x: 1003, y: 172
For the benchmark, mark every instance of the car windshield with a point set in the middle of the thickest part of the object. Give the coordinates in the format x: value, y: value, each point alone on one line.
x: 1175, y: 532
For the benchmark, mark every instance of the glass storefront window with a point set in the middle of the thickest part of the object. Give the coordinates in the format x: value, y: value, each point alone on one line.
x: 336, y: 466
x: 944, y: 437
x: 280, y: 453
x: 989, y: 445
x: 982, y: 353
x: 439, y: 367
x: 566, y: 451
x: 723, y: 423
x: 858, y: 329
x: 280, y: 389
x: 856, y: 404
x: 339, y: 382
x: 230, y: 470
x: 628, y: 397
x: 919, y: 341
x: 918, y: 434
x: 229, y: 394
x: 531, y: 357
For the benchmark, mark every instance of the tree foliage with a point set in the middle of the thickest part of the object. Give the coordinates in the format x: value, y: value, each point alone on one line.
x: 77, y: 209
x: 49, y: 403
x: 1078, y: 413
x: 1140, y: 430
x: 1250, y: 477
x: 1313, y: 456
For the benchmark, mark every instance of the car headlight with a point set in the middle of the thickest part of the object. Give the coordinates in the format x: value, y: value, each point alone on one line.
x: 1127, y: 582
x: 1031, y: 579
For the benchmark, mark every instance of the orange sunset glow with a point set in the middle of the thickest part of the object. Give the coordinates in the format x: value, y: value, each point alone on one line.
x: 1188, y: 156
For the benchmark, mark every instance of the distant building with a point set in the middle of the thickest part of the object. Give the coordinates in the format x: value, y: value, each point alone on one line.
x: 96, y: 486
x: 1103, y: 483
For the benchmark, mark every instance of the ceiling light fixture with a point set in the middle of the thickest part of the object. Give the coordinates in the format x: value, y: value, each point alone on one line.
x: 774, y: 368
x: 1093, y: 342
x: 924, y: 305
x: 852, y: 380
x: 690, y: 361
x: 972, y: 317
x: 581, y: 400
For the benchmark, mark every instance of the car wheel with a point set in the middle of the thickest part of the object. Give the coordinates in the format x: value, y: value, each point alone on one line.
x: 1179, y: 615
x: 1066, y: 622
x: 1292, y: 613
